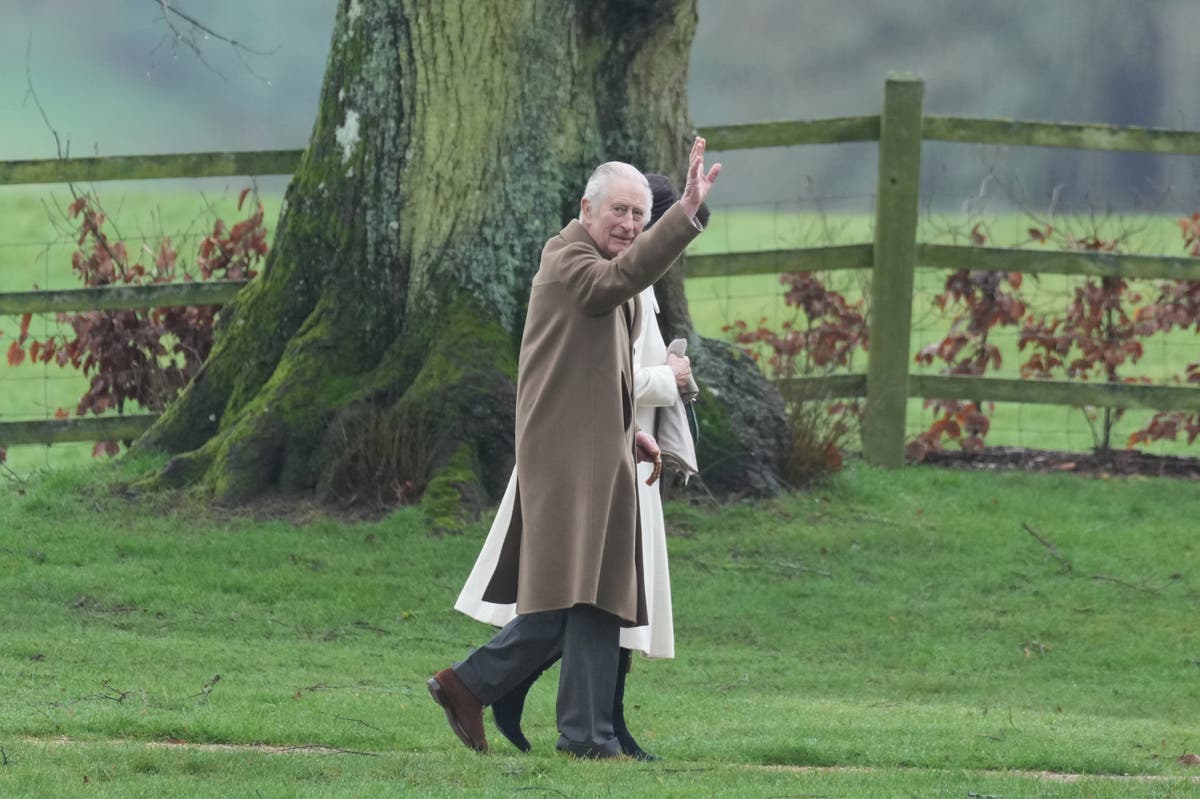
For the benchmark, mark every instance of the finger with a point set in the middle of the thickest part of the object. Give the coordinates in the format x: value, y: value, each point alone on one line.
x: 655, y: 473
x: 713, y: 173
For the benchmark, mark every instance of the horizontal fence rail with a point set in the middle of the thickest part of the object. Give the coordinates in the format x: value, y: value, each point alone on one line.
x: 150, y: 167
x: 284, y: 162
x: 898, y: 174
x: 789, y: 134
x: 993, y: 389
x: 766, y: 262
x: 117, y: 298
x: 823, y: 388
x: 1059, y: 134
x: 87, y: 428
x: 1074, y: 393
x: 798, y: 389
x: 1092, y: 264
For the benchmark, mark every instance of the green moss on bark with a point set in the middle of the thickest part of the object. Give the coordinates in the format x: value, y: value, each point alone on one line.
x: 397, y: 432
x: 467, y: 386
x: 456, y: 495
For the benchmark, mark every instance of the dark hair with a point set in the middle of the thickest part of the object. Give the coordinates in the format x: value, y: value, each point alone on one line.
x: 663, y: 194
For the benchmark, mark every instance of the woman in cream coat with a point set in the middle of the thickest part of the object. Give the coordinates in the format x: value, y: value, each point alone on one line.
x: 656, y: 385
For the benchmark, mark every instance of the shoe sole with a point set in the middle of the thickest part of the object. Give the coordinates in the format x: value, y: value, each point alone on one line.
x: 439, y: 696
x: 589, y: 753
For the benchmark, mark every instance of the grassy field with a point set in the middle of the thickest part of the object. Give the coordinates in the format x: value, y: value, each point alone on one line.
x: 892, y: 634
x: 36, y: 243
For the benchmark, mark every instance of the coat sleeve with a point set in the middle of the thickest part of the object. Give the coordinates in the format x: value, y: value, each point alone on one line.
x: 653, y: 386
x: 653, y: 383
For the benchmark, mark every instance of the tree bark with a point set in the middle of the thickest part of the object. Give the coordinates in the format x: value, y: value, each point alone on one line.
x: 375, y: 356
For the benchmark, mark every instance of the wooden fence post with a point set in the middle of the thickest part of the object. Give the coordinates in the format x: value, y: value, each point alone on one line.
x: 896, y: 198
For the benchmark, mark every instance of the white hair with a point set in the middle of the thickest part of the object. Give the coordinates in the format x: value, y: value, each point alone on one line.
x: 597, y: 185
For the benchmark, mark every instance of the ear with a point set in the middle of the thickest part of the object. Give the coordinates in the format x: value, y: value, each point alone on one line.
x: 585, y: 208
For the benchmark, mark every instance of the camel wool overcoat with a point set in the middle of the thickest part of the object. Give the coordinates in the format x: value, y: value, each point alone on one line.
x: 575, y: 535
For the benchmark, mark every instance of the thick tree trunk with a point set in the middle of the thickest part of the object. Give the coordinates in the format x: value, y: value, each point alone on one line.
x: 375, y: 357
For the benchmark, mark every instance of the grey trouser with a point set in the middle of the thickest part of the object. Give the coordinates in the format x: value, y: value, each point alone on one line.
x: 588, y: 640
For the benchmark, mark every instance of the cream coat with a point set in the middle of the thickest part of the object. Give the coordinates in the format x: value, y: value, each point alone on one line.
x: 653, y: 387
x: 574, y: 536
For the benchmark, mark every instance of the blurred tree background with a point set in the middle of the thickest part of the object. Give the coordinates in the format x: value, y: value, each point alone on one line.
x: 1123, y: 62
x: 113, y: 81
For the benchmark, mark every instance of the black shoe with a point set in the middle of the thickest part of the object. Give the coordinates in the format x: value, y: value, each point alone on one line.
x: 508, y: 709
x: 506, y: 713
x: 586, y: 751
x: 629, y: 746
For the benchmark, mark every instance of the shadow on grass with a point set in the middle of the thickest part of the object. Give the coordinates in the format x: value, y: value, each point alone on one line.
x: 792, y: 755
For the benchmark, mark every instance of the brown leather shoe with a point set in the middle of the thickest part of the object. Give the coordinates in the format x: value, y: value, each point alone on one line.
x: 463, y: 710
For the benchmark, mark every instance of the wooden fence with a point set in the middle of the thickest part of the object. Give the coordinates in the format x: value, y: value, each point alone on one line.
x: 895, y: 253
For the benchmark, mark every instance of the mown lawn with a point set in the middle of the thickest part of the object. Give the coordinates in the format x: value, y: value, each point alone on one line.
x: 892, y: 634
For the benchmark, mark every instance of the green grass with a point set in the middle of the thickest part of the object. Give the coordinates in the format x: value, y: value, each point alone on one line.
x: 893, y: 634
x: 35, y: 249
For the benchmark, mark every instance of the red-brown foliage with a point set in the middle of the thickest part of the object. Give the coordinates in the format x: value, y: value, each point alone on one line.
x: 824, y: 333
x: 145, y: 356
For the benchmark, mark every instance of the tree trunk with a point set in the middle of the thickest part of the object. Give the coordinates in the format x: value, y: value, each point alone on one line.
x: 375, y: 357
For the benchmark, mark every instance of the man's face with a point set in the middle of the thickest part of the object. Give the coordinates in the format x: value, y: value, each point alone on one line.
x: 621, y: 215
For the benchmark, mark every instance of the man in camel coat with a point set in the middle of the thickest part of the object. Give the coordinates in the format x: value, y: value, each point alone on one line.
x: 572, y: 557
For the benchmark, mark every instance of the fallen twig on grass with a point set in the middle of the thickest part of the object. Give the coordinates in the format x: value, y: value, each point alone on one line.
x: 347, y: 718
x: 1066, y: 564
x: 115, y: 694
x: 332, y: 750
x: 1106, y: 579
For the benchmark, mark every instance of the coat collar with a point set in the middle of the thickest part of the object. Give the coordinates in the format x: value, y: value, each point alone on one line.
x: 576, y: 233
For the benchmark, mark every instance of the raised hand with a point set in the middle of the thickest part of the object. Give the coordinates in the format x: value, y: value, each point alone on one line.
x: 699, y: 183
